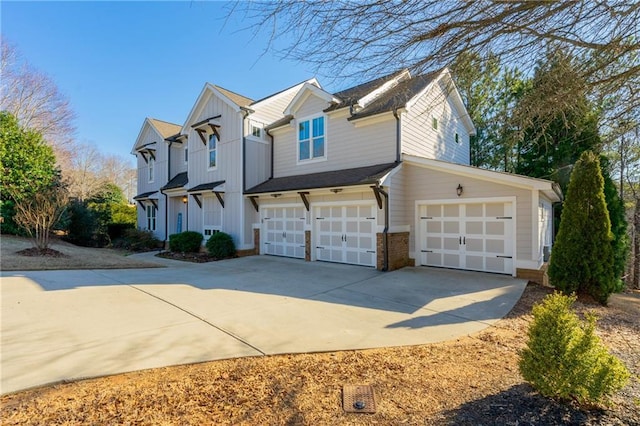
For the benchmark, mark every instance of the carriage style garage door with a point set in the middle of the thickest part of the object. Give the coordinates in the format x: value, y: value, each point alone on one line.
x: 476, y: 236
x: 283, y: 231
x: 346, y: 234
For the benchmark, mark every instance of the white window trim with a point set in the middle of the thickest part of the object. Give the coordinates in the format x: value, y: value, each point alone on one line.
x: 151, y: 170
x: 311, y: 160
x: 209, y: 151
x: 213, y: 228
x: 151, y: 219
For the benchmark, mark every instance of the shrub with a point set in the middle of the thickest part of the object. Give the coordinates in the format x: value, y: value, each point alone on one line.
x: 137, y: 240
x: 185, y: 242
x: 582, y: 259
x: 82, y: 225
x: 117, y: 230
x: 564, y: 359
x: 220, y: 245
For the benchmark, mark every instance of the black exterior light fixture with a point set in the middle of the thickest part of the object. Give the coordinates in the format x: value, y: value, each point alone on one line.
x: 459, y: 190
x: 184, y: 199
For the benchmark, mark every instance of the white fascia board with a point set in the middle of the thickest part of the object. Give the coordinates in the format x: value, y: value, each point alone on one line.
x: 147, y: 122
x: 384, y: 179
x: 474, y: 172
x: 307, y: 90
x: 208, y: 89
x: 373, y: 95
x: 257, y: 105
x: 377, y: 118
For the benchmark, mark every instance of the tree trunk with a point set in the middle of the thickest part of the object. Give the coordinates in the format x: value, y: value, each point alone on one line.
x: 636, y: 246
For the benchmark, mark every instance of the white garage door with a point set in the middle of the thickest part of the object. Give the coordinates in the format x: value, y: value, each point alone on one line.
x: 346, y: 234
x: 474, y: 236
x: 283, y: 231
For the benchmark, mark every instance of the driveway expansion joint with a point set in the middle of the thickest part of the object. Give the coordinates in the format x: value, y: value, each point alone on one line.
x: 227, y: 332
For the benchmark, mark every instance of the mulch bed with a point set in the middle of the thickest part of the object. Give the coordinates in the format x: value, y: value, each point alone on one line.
x: 188, y: 257
x: 472, y: 380
x: 36, y: 252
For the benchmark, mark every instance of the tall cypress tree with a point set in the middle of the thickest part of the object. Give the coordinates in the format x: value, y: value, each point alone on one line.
x: 582, y: 258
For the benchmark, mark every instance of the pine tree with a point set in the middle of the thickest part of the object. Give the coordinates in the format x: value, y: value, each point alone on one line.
x: 582, y: 258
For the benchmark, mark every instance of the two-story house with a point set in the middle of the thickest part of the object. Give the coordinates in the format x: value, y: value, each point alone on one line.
x: 375, y: 175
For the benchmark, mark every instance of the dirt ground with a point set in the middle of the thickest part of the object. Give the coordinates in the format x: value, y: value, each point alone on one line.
x: 470, y: 381
x: 75, y: 257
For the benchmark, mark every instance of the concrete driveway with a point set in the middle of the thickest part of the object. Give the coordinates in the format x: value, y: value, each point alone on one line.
x: 63, y: 325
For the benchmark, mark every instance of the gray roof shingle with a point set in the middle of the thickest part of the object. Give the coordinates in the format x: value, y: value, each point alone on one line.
x: 348, y: 177
x: 206, y: 186
x: 179, y: 181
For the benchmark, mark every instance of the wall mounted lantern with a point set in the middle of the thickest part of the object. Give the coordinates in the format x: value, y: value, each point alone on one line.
x: 459, y: 190
x: 184, y: 199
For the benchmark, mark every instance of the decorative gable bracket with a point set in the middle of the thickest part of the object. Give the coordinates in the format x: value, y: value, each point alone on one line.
x: 197, y: 198
x: 305, y: 200
x: 219, y: 196
x: 201, y: 128
x: 254, y: 202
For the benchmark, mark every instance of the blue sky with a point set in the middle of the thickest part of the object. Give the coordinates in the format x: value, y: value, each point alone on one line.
x: 119, y: 62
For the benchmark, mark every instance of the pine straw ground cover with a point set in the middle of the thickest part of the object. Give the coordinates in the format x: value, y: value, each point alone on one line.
x: 471, y: 381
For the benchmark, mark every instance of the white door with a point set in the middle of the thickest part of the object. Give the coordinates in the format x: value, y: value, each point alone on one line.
x: 474, y: 236
x: 283, y: 231
x: 346, y: 234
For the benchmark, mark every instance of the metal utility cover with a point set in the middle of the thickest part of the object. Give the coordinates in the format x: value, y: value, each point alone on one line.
x: 358, y: 399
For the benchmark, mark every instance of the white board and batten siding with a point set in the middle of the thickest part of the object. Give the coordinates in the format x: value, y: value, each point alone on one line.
x: 346, y: 146
x: 421, y: 139
x: 228, y: 167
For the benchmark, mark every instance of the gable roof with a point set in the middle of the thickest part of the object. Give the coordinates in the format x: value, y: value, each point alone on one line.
x: 397, y: 96
x: 349, y: 177
x: 236, y: 98
x: 351, y: 95
x: 164, y: 128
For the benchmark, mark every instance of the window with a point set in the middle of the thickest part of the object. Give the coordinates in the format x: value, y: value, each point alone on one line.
x: 457, y: 138
x: 311, y: 140
x: 434, y: 123
x: 151, y: 217
x: 152, y: 166
x: 212, y: 148
x: 186, y: 154
x: 256, y: 131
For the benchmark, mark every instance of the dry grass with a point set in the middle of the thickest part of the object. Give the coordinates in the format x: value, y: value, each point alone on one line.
x: 75, y: 257
x: 473, y: 380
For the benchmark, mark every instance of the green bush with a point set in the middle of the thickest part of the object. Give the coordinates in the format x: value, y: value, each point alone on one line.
x: 137, y: 240
x: 185, y: 242
x: 564, y: 359
x: 82, y: 225
x: 220, y: 245
x: 117, y: 230
x: 582, y: 259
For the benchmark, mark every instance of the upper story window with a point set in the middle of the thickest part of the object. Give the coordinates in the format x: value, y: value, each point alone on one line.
x: 212, y: 149
x: 186, y: 154
x: 152, y: 167
x: 434, y: 123
x: 457, y: 138
x: 311, y: 139
x: 256, y: 131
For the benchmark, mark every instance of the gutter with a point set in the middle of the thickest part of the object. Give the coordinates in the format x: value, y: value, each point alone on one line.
x: 385, y: 232
x: 245, y: 113
x: 272, y: 150
x: 395, y: 114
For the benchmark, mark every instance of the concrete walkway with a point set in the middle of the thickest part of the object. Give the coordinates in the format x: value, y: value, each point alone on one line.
x: 64, y: 325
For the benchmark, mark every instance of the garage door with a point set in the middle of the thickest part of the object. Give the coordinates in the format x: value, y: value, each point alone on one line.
x: 283, y: 231
x: 474, y: 236
x: 346, y: 234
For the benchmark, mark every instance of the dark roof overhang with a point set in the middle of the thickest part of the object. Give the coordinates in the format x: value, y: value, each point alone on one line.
x: 144, y: 195
x: 337, y: 178
x: 178, y: 181
x: 206, y: 187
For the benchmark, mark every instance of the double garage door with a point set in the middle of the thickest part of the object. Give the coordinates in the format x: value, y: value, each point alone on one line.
x: 474, y: 236
x: 340, y: 233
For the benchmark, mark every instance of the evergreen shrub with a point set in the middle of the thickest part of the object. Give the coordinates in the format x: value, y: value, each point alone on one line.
x: 185, y: 242
x: 221, y: 245
x: 564, y: 359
